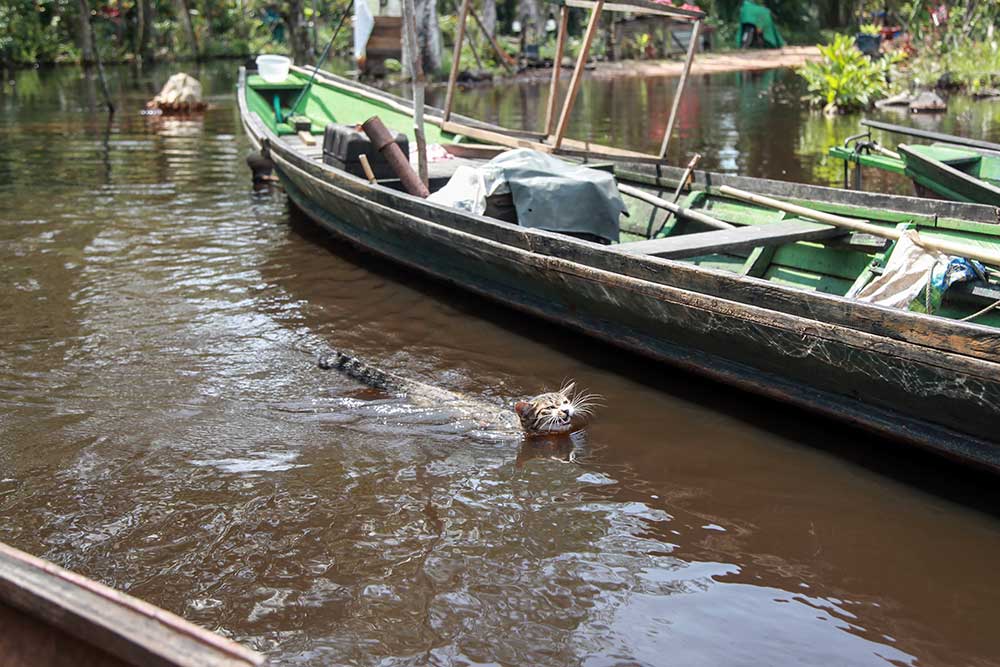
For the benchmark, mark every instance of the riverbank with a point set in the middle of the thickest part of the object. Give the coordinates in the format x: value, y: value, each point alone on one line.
x: 704, y: 63
x: 709, y: 63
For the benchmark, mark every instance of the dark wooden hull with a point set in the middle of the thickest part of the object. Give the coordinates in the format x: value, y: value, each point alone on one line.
x: 53, y: 618
x: 925, y: 380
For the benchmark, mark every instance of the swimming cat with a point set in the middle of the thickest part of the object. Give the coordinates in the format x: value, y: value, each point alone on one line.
x: 551, y: 413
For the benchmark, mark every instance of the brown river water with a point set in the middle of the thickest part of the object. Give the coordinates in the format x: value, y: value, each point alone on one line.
x: 164, y: 428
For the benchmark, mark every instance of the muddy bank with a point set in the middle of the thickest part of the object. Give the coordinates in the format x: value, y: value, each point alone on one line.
x: 706, y: 63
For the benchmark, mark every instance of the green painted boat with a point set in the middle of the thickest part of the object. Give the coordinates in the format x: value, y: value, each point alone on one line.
x: 951, y: 167
x: 762, y: 304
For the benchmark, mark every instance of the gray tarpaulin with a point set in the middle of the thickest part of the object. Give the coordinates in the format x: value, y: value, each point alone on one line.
x: 548, y: 193
x: 560, y: 197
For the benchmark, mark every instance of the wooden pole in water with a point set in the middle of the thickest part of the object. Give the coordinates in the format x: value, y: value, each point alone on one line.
x: 550, y: 111
x: 463, y: 16
x: 417, y: 78
x: 581, y: 61
x: 956, y: 248
x: 85, y: 8
x: 679, y: 93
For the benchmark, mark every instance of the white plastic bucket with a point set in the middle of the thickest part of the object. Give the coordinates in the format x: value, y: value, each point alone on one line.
x: 273, y: 69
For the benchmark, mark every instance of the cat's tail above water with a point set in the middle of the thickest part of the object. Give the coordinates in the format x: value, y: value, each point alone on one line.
x: 361, y: 371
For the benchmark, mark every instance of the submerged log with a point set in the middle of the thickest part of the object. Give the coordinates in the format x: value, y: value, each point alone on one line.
x: 180, y: 95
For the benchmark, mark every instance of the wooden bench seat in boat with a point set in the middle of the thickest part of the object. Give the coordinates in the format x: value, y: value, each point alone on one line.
x: 729, y: 240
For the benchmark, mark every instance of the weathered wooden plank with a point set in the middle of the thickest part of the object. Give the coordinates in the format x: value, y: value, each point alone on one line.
x: 128, y: 630
x: 727, y: 240
x: 758, y: 261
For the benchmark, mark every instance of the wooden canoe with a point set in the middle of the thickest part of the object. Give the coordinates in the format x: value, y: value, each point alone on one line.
x: 762, y: 309
x: 51, y: 617
x: 952, y: 168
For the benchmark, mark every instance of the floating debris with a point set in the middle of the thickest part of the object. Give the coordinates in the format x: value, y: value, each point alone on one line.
x: 180, y: 95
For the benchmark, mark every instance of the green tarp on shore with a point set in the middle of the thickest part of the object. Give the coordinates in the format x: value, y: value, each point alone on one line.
x: 761, y: 17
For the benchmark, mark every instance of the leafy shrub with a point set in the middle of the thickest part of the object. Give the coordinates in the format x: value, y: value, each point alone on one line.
x: 846, y: 79
x: 869, y: 29
x: 971, y: 66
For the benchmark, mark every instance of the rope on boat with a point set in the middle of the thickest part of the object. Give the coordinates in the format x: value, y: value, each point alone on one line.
x: 981, y: 312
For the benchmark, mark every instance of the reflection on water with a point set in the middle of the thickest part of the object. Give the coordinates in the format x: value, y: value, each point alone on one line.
x: 164, y: 430
x: 751, y: 123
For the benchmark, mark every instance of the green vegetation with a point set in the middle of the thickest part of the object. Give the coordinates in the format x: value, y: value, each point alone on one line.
x: 972, y: 67
x: 846, y: 79
x: 53, y: 31
x: 954, y: 48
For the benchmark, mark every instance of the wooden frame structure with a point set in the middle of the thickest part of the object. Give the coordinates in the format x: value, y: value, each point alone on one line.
x: 554, y: 137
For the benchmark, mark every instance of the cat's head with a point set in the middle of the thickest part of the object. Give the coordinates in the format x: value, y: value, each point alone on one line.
x: 555, y: 412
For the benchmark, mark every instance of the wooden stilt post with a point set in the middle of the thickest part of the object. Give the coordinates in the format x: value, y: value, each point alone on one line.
x: 692, y: 45
x: 581, y: 61
x: 550, y: 112
x: 463, y: 16
x: 417, y: 79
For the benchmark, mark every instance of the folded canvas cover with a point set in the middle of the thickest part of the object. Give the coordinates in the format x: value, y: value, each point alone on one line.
x: 548, y: 193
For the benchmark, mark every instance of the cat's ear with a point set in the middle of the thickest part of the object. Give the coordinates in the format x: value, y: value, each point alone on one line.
x: 522, y: 408
x: 568, y: 389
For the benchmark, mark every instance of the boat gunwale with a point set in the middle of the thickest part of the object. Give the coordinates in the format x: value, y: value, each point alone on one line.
x: 128, y: 628
x: 893, y: 325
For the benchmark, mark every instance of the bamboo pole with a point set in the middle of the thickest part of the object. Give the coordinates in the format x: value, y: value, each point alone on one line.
x: 463, y: 16
x: 581, y: 61
x: 417, y: 78
x: 956, y: 248
x: 676, y: 209
x: 550, y: 111
x: 679, y: 93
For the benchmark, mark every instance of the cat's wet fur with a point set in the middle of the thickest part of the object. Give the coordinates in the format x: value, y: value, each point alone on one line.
x: 549, y: 414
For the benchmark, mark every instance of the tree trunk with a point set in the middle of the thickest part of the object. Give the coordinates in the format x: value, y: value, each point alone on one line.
x: 144, y: 31
x: 490, y: 16
x: 298, y: 32
x: 531, y: 21
x: 184, y: 16
x: 428, y: 37
x: 83, y: 35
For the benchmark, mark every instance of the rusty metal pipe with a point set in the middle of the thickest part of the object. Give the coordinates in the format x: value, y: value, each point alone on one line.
x: 385, y: 143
